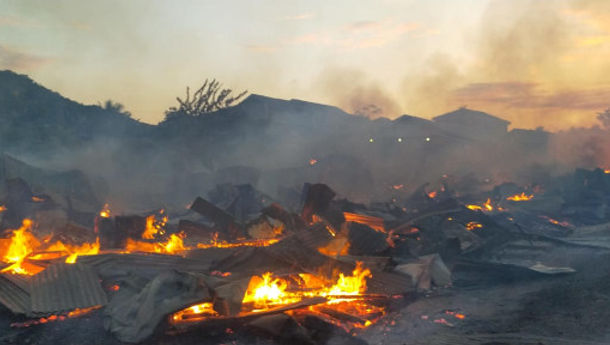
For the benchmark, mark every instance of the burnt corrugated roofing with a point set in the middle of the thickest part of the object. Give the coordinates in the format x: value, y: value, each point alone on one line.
x: 63, y: 287
x: 14, y: 293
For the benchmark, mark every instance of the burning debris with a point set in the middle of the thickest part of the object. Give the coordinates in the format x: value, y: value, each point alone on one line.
x: 340, y: 263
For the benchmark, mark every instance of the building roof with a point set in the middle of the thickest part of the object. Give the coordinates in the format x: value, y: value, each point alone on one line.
x: 466, y: 115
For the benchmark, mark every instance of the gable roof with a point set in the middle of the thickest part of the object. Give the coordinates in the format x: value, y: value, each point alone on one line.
x: 468, y: 115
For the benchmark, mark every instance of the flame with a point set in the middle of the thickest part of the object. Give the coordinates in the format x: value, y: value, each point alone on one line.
x: 345, y: 295
x: 267, y: 291
x: 250, y: 243
x: 37, y: 199
x: 398, y: 186
x: 351, y: 285
x: 105, y: 212
x: 313, y: 161
x: 2, y: 208
x: 23, y: 243
x: 485, y: 207
x: 154, y: 227
x: 520, y: 197
x: 606, y: 171
x: 473, y: 225
x: 197, y: 312
x: 173, y: 245
x: 375, y: 223
x: 432, y: 194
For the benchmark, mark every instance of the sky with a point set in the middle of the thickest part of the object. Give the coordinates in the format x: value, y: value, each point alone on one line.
x: 532, y: 62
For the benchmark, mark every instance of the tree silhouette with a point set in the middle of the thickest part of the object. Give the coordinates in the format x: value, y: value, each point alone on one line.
x: 115, y: 107
x: 208, y: 98
x: 604, y: 118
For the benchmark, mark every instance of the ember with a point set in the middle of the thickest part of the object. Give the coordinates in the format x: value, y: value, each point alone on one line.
x: 485, y: 207
x: 473, y: 225
x: 72, y: 314
x: 374, y: 222
x: 520, y: 197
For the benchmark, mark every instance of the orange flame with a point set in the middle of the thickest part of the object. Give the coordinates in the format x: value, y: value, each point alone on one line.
x: 2, y: 208
x: 195, y: 312
x: 520, y: 197
x: 345, y: 295
x: 432, y: 194
x: 23, y: 243
x: 105, y: 212
x: 485, y: 207
x: 606, y: 171
x: 313, y: 161
x: 173, y: 245
x: 473, y: 225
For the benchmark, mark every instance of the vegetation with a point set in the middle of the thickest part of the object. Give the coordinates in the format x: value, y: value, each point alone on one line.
x: 115, y: 107
x: 211, y: 96
x: 604, y: 118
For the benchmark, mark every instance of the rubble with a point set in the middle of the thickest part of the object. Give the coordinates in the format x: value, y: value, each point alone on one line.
x: 208, y: 265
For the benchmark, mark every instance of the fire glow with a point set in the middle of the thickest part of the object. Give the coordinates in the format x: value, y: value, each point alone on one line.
x: 520, y: 197
x: 346, y: 294
x: 22, y: 244
x: 485, y: 207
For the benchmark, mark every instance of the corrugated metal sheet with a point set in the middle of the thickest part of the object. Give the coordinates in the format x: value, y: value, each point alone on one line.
x: 110, y: 265
x: 14, y: 293
x: 64, y: 287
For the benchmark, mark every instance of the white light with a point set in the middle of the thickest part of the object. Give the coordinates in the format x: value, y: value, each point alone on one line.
x: 399, y: 140
x: 371, y: 140
x: 427, y: 138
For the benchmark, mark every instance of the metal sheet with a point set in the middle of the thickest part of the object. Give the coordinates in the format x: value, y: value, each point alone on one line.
x: 63, y: 287
x: 14, y: 294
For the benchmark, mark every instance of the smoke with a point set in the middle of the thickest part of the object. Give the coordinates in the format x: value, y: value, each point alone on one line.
x: 534, y: 63
x: 352, y: 90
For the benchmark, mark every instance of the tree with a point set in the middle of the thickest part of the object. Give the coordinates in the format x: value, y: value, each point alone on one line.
x: 115, y: 107
x: 604, y: 118
x: 208, y: 98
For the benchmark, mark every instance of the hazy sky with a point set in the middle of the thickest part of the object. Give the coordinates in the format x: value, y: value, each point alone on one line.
x: 535, y: 63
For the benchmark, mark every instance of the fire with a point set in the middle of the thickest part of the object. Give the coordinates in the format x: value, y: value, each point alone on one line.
x: 72, y: 314
x: 375, y: 223
x: 251, y: 243
x: 473, y: 225
x: 432, y: 194
x: 398, y: 186
x: 154, y: 227
x: 23, y: 243
x: 556, y: 222
x: 345, y: 296
x: 520, y: 197
x: 84, y: 249
x: 313, y: 161
x: 198, y: 311
x: 267, y: 291
x: 105, y: 212
x: 173, y: 245
x: 485, y: 207
x: 351, y: 285
x: 606, y: 171
x: 37, y: 199
x: 2, y: 208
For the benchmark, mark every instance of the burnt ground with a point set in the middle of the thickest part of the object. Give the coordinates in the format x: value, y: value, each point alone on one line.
x: 567, y: 309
